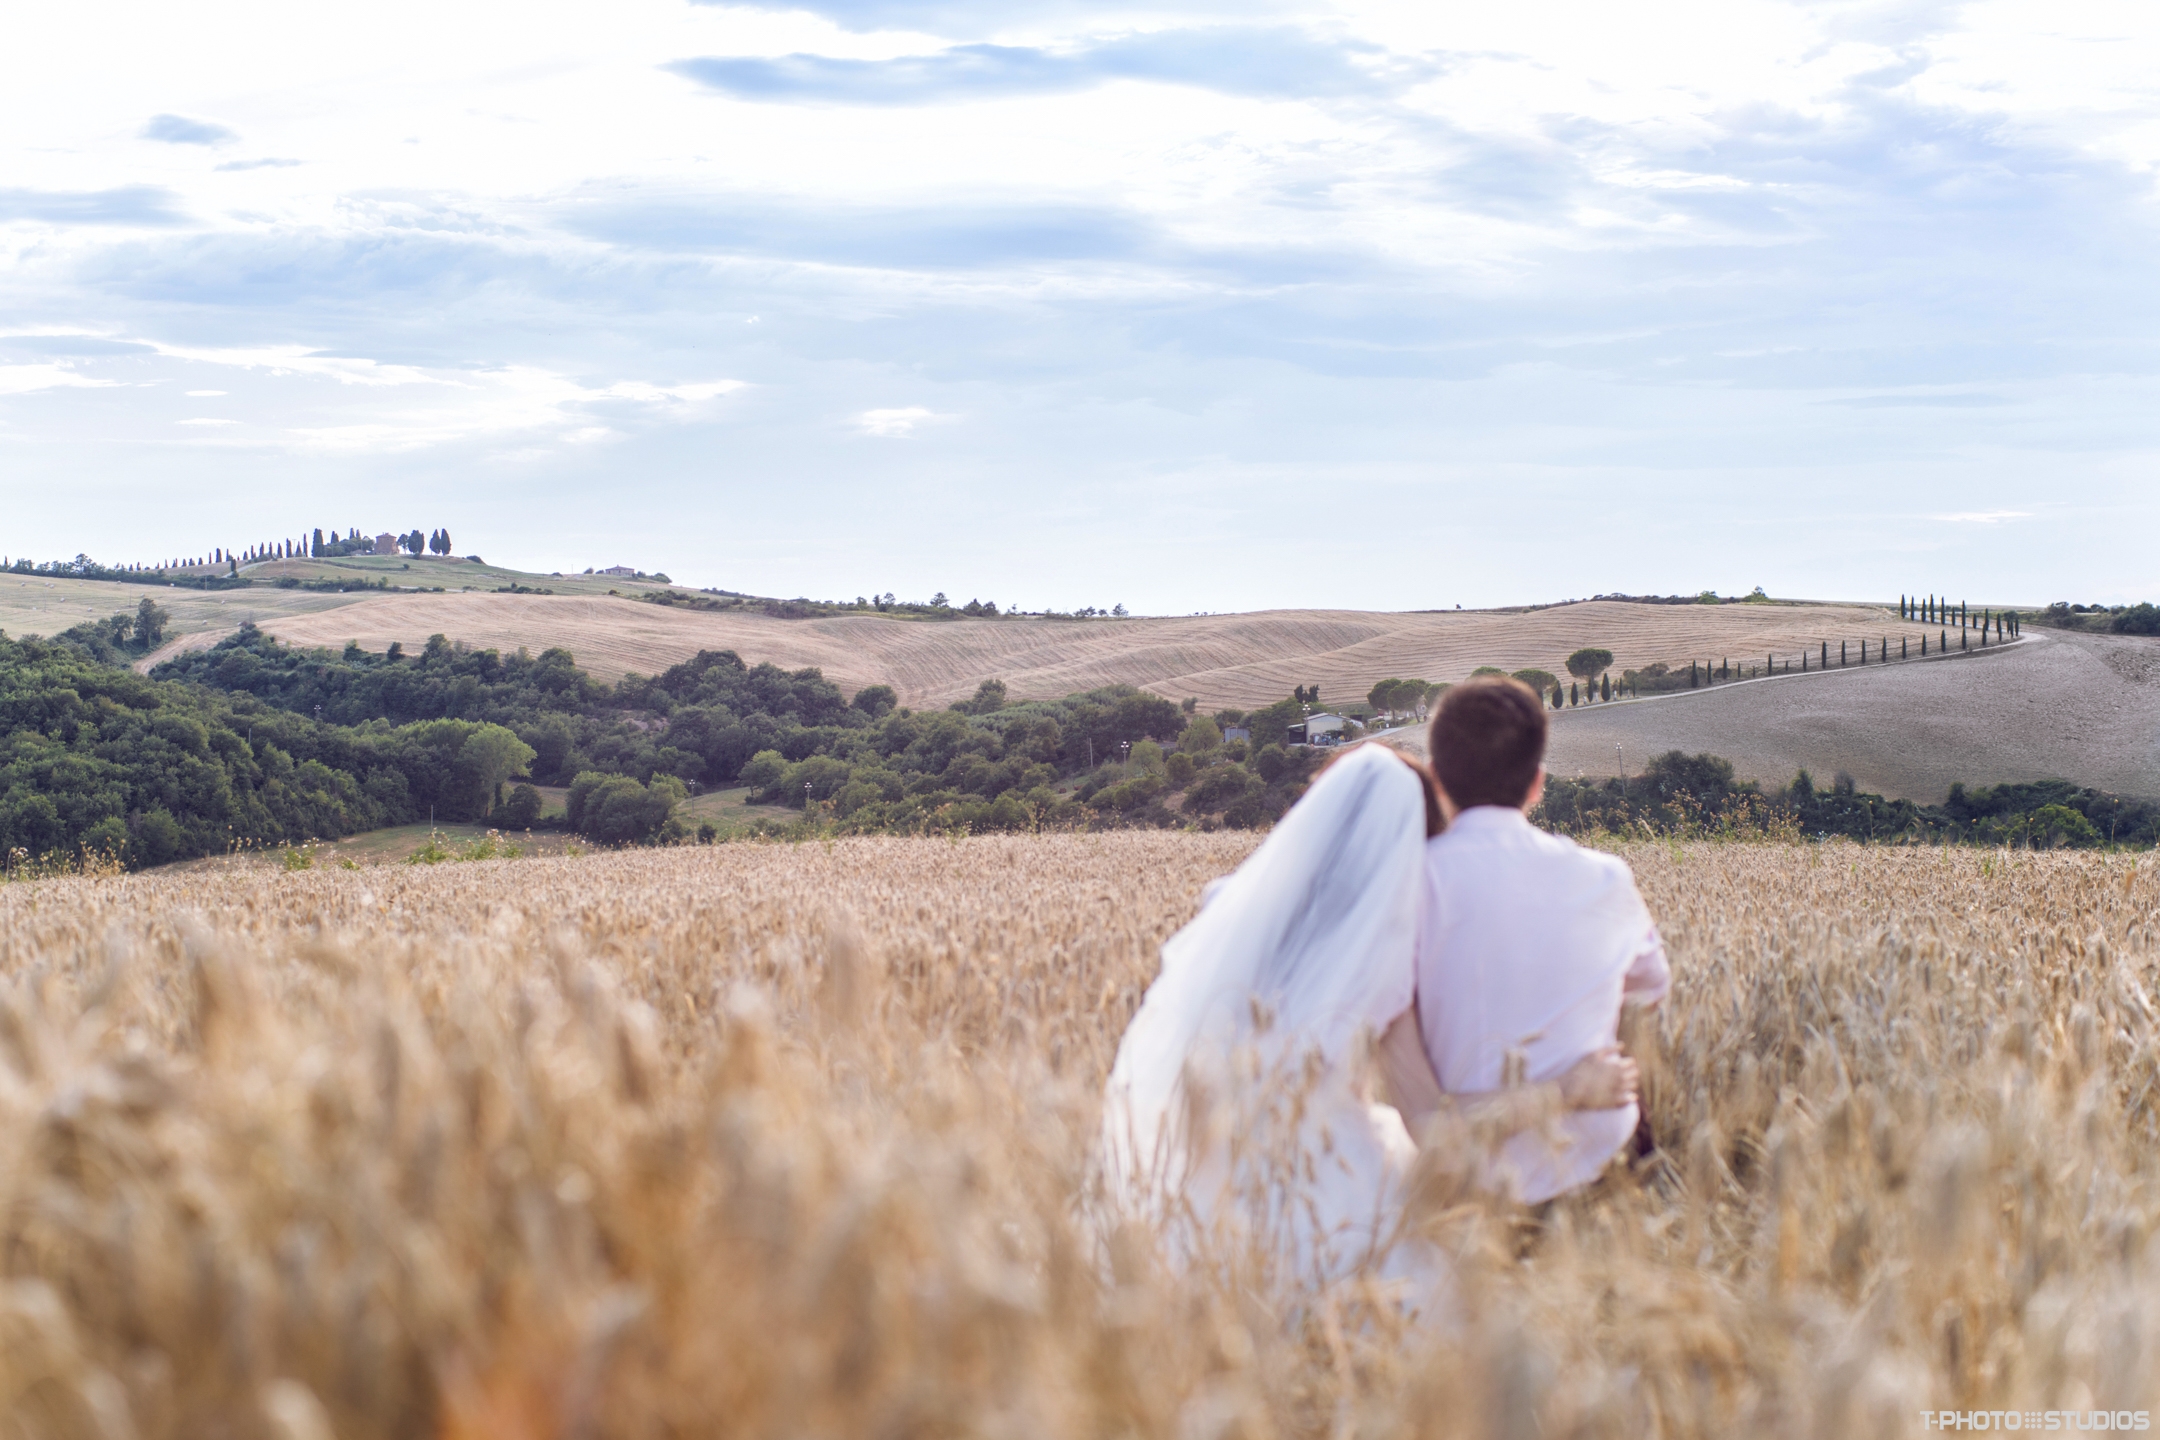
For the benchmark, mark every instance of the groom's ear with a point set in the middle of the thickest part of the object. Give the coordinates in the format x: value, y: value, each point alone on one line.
x: 1536, y: 791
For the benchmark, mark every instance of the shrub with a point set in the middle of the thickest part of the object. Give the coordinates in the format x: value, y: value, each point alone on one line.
x: 2140, y: 619
x: 1179, y: 770
x: 1272, y: 762
x: 1220, y: 787
x: 2054, y: 826
x: 616, y: 810
x: 521, y: 811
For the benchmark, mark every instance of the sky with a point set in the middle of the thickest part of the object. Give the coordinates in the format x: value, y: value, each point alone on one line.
x: 1187, y: 307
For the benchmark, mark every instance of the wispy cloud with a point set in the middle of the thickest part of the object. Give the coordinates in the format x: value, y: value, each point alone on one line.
x: 124, y: 205
x: 958, y: 234
x: 179, y: 130
x: 896, y: 424
x: 974, y: 17
x: 1241, y: 60
x: 23, y: 379
x: 511, y: 400
x: 268, y: 162
x: 1983, y: 517
x: 70, y: 342
x: 1937, y: 402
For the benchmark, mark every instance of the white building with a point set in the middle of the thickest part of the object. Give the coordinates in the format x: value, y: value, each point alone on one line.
x: 1321, y: 729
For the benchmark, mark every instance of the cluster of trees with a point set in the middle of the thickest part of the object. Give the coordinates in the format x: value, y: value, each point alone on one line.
x: 987, y: 764
x: 1679, y: 792
x: 94, y: 757
x: 2142, y: 618
x: 1395, y: 696
x: 1112, y: 755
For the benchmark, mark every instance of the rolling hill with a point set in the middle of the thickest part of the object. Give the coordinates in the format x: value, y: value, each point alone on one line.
x: 1242, y: 660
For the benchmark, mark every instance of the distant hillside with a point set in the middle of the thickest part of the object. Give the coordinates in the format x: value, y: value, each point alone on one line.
x: 2083, y: 708
x: 1222, y: 660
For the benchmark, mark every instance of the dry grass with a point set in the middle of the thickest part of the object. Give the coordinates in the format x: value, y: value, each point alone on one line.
x: 780, y: 1141
x: 1242, y: 660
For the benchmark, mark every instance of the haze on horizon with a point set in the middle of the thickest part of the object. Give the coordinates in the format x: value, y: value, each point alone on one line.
x: 1182, y: 306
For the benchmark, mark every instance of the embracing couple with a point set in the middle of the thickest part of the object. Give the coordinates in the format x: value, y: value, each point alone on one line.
x: 1405, y: 960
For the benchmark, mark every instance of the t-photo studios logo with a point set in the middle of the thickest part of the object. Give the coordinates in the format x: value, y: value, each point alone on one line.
x: 2085, y: 1421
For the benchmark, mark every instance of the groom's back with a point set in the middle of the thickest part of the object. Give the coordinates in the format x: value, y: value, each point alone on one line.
x: 1524, y: 946
x: 1527, y: 943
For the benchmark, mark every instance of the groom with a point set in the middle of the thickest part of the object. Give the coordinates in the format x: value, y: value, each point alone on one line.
x: 1528, y: 944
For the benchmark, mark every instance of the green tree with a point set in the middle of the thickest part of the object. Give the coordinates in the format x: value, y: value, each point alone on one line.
x: 876, y: 701
x: 2059, y: 825
x: 1589, y: 662
x: 150, y: 618
x: 989, y: 699
x: 761, y: 771
x: 491, y: 757
x: 521, y: 811
x: 1538, y: 680
x: 1200, y: 737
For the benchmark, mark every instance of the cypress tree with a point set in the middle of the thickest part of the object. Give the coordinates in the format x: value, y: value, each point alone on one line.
x: 1607, y: 688
x: 1825, y: 654
x: 1571, y: 697
x: 1840, y: 654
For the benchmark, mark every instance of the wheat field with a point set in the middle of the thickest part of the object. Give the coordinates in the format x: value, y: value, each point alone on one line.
x: 770, y: 1140
x: 1243, y: 660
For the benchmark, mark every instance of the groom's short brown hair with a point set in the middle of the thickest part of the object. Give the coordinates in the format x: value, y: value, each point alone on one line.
x: 1487, y: 741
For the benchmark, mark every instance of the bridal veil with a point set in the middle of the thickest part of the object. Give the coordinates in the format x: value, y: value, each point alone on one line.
x: 1295, y: 962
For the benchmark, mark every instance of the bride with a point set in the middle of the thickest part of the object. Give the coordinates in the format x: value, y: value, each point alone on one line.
x: 1240, y: 1118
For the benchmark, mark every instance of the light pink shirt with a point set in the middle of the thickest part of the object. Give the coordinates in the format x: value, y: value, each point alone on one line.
x: 1529, y: 944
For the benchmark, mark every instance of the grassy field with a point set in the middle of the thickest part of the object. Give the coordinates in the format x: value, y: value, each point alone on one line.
x: 793, y: 1141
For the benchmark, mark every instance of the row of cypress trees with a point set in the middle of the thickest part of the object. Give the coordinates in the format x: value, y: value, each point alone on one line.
x: 1934, y: 610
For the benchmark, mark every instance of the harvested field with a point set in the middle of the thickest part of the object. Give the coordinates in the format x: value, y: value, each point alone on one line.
x: 39, y: 605
x: 1242, y: 660
x: 2084, y: 708
x: 784, y: 1141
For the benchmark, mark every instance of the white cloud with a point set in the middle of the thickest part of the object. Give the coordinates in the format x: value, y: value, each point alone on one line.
x: 896, y: 424
x: 203, y: 394
x: 1983, y: 517
x: 511, y: 400
x: 206, y: 421
x: 22, y: 379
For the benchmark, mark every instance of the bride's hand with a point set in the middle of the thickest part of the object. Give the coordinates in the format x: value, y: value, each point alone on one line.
x: 1602, y: 1080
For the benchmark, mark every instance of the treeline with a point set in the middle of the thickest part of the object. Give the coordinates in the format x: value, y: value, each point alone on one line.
x: 82, y: 567
x: 1697, y: 794
x: 937, y: 607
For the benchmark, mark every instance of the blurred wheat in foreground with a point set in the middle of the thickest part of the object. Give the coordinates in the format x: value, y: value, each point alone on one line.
x: 759, y: 1140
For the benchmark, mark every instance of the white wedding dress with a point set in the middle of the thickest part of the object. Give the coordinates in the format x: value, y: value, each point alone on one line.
x: 1235, y: 1120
